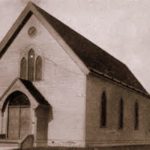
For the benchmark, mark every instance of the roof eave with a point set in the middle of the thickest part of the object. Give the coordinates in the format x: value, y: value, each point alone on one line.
x: 100, y: 74
x: 20, y: 22
x: 15, y: 29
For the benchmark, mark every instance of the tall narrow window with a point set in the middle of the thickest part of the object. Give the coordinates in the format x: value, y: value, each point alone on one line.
x: 136, y: 113
x: 23, y: 68
x: 121, y: 114
x: 31, y: 62
x: 38, y: 69
x: 103, y: 110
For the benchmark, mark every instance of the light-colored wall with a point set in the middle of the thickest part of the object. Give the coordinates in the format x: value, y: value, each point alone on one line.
x: 112, y: 135
x: 63, y: 83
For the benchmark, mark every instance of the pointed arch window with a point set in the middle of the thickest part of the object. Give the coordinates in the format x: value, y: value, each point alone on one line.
x: 31, y: 68
x: 136, y: 116
x: 23, y: 68
x: 38, y: 68
x: 103, y: 110
x: 121, y: 114
x: 31, y: 62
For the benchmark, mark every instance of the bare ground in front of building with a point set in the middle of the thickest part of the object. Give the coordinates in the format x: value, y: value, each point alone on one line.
x: 137, y: 147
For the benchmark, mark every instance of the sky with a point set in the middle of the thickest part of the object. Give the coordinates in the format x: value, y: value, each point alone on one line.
x: 120, y: 27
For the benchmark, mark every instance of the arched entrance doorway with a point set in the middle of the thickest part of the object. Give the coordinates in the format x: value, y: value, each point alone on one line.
x: 19, y: 116
x: 24, y: 112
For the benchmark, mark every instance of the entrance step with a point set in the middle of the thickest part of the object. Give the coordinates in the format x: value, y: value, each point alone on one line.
x: 9, y: 144
x: 27, y: 142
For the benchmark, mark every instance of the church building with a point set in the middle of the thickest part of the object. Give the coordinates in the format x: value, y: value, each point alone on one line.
x: 59, y: 88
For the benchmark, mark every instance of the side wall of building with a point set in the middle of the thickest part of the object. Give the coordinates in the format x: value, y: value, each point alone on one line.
x: 112, y: 134
x: 63, y: 84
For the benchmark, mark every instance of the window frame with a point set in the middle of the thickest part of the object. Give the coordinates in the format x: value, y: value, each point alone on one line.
x: 23, y: 68
x: 103, y: 110
x: 38, y: 68
x: 136, y: 115
x: 121, y: 114
x: 31, y: 65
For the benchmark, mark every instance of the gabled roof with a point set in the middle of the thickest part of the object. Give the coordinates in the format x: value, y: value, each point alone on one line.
x: 25, y: 87
x: 95, y: 58
x: 34, y: 92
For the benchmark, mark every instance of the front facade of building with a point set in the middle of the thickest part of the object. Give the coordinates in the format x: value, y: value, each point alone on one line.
x: 65, y: 91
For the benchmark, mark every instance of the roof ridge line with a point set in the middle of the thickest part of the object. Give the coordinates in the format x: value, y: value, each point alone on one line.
x: 88, y: 52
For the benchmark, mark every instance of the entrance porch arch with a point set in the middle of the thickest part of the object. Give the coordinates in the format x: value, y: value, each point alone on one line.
x: 18, y: 115
x: 24, y: 108
x: 15, y: 99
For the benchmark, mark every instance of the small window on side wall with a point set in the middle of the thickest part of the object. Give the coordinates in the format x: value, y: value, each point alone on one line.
x: 121, y: 114
x: 103, y: 110
x: 136, y: 116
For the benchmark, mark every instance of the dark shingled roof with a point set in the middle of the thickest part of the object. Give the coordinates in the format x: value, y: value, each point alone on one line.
x: 91, y: 55
x: 34, y: 92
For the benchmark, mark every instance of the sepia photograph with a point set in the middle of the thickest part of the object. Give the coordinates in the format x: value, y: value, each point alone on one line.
x: 74, y: 75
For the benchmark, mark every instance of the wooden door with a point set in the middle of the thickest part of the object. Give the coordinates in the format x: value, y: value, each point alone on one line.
x: 19, y: 117
x: 25, y: 122
x: 13, y: 122
x: 18, y: 122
